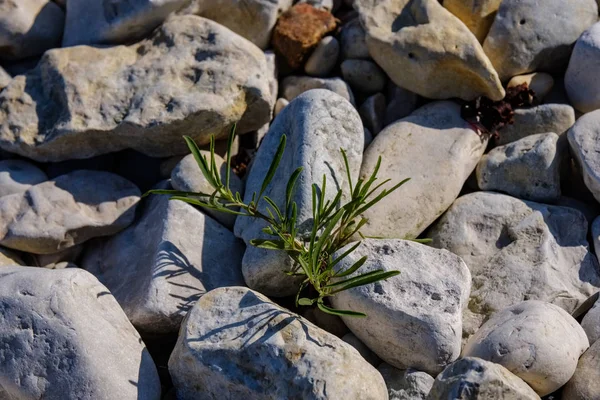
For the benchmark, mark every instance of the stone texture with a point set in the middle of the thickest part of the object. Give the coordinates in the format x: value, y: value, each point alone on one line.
x: 585, y: 383
x: 16, y: 176
x: 252, y: 19
x: 29, y: 27
x: 581, y: 83
x: 472, y: 378
x: 537, y: 341
x: 362, y: 348
x: 5, y: 78
x: 68, y: 210
x: 425, y: 49
x: 299, y: 30
x: 294, y: 86
x: 324, y: 58
x: 317, y: 124
x: 528, y: 168
x: 584, y: 140
x: 353, y: 41
x: 477, y: 15
x: 114, y: 21
x: 534, y: 35
x: 518, y: 250
x: 160, y: 266
x: 62, y: 335
x: 437, y: 150
x: 540, y: 82
x: 413, y: 319
x: 83, y: 101
x: 363, y: 76
x: 372, y: 113
x: 236, y: 344
x: 407, y: 384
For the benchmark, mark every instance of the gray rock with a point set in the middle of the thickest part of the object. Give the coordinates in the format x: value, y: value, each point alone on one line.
x: 585, y: 383
x: 528, y: 168
x: 68, y: 210
x: 84, y: 101
x: 518, y: 250
x: 16, y: 176
x: 294, y: 86
x: 187, y: 177
x: 532, y: 35
x: 413, y: 319
x: 372, y: 113
x: 331, y: 323
x: 364, y: 351
x: 114, y: 21
x: 63, y: 336
x: 68, y: 256
x: 584, y: 140
x: 159, y: 267
x: 323, y: 58
x: 353, y: 41
x: 401, y: 103
x: 29, y: 27
x: 237, y: 339
x: 5, y: 78
x: 581, y: 84
x: 537, y: 341
x: 437, y: 150
x: 368, y: 137
x: 407, y: 384
x: 472, y: 378
x: 363, y: 76
x: 557, y: 118
x: 251, y: 19
x: 317, y: 123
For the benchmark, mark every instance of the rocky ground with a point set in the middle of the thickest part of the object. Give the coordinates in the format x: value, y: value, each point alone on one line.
x: 490, y: 107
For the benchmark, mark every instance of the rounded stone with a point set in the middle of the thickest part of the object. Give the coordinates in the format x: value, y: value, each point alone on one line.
x: 364, y: 76
x: 323, y: 58
x: 581, y: 80
x: 16, y: 176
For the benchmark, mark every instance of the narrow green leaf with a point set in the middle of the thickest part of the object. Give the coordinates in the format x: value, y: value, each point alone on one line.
x: 201, y: 161
x: 325, y: 235
x: 175, y: 193
x: 229, y: 148
x: 289, y: 190
x: 274, y: 165
x: 364, y: 279
x: 353, y: 268
x: 348, y: 173
x: 344, y: 255
x: 305, y: 302
x: 268, y: 244
x: 275, y: 208
x: 340, y: 313
x: 422, y: 241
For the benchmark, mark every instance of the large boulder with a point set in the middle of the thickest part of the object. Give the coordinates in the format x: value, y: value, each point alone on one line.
x: 159, y: 267
x: 585, y: 383
x: 192, y: 77
x: 318, y: 124
x: 235, y: 343
x: 63, y: 335
x: 434, y: 147
x: 477, y: 15
x: 584, y: 139
x: 427, y: 50
x: 581, y: 84
x: 518, y: 250
x: 17, y: 176
x: 68, y: 210
x: 414, y: 320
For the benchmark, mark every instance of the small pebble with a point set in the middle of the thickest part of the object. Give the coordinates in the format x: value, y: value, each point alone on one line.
x: 323, y: 58
x: 280, y: 105
x: 540, y: 82
x: 364, y: 76
x: 353, y: 43
x: 372, y: 113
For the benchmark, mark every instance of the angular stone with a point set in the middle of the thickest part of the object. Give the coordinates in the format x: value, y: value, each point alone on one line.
x: 68, y: 210
x: 537, y: 341
x: 63, y: 335
x: 5, y: 78
x: 581, y: 83
x: 294, y: 86
x: 585, y: 383
x: 238, y: 343
x: 29, y: 27
x: 472, y: 378
x: 324, y: 58
x: 437, y: 150
x: 584, y: 140
x: 114, y: 21
x: 427, y: 50
x: 477, y: 15
x: 518, y: 250
x: 363, y: 76
x: 532, y: 35
x: 317, y: 124
x: 414, y: 320
x: 192, y: 77
x: 407, y: 384
x: 160, y: 266
x: 353, y: 41
x: 540, y: 82
x: 16, y: 176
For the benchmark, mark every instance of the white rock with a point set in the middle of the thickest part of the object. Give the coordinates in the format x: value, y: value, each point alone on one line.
x: 585, y: 383
x: 518, y: 250
x: 363, y: 76
x: 407, y: 384
x: 16, y: 176
x: 353, y: 41
x: 192, y: 77
x: 329, y: 5
x: 317, y: 124
x: 581, y: 84
x: 280, y: 104
x: 528, y: 168
x: 5, y: 78
x: 437, y: 150
x: 323, y: 58
x: 159, y: 267
x: 29, y: 28
x: 65, y: 336
x: 236, y: 344
x: 364, y: 351
x: 401, y: 103
x: 372, y: 112
x: 477, y: 15
x: 413, y: 319
x: 68, y: 210
x: 540, y: 82
x: 532, y: 35
x: 591, y: 321
x: 537, y: 341
x: 584, y: 140
x: 472, y: 378
x: 294, y: 86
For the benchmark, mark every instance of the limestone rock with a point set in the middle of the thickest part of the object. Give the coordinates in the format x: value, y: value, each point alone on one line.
x: 477, y: 15
x: 584, y: 140
x: 324, y: 58
x: 401, y: 103
x: 192, y: 77
x: 413, y: 319
x: 363, y: 76
x: 518, y: 250
x: 353, y: 41
x: 472, y: 378
x: 540, y: 82
x: 68, y: 210
x: 372, y: 113
x: 537, y: 341
x: 407, y: 384
x: 64, y: 335
x: 29, y: 27
x: 294, y: 86
x: 364, y: 351
x: 5, y: 78
x: 437, y: 150
x: 114, y: 21
x: 581, y: 84
x: 236, y: 344
x: 427, y: 50
x: 317, y: 124
x: 532, y: 35
x: 585, y: 383
x: 159, y: 267
x: 280, y: 104
x: 16, y: 176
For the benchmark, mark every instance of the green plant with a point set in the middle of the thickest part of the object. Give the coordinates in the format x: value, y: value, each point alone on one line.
x: 334, y: 224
